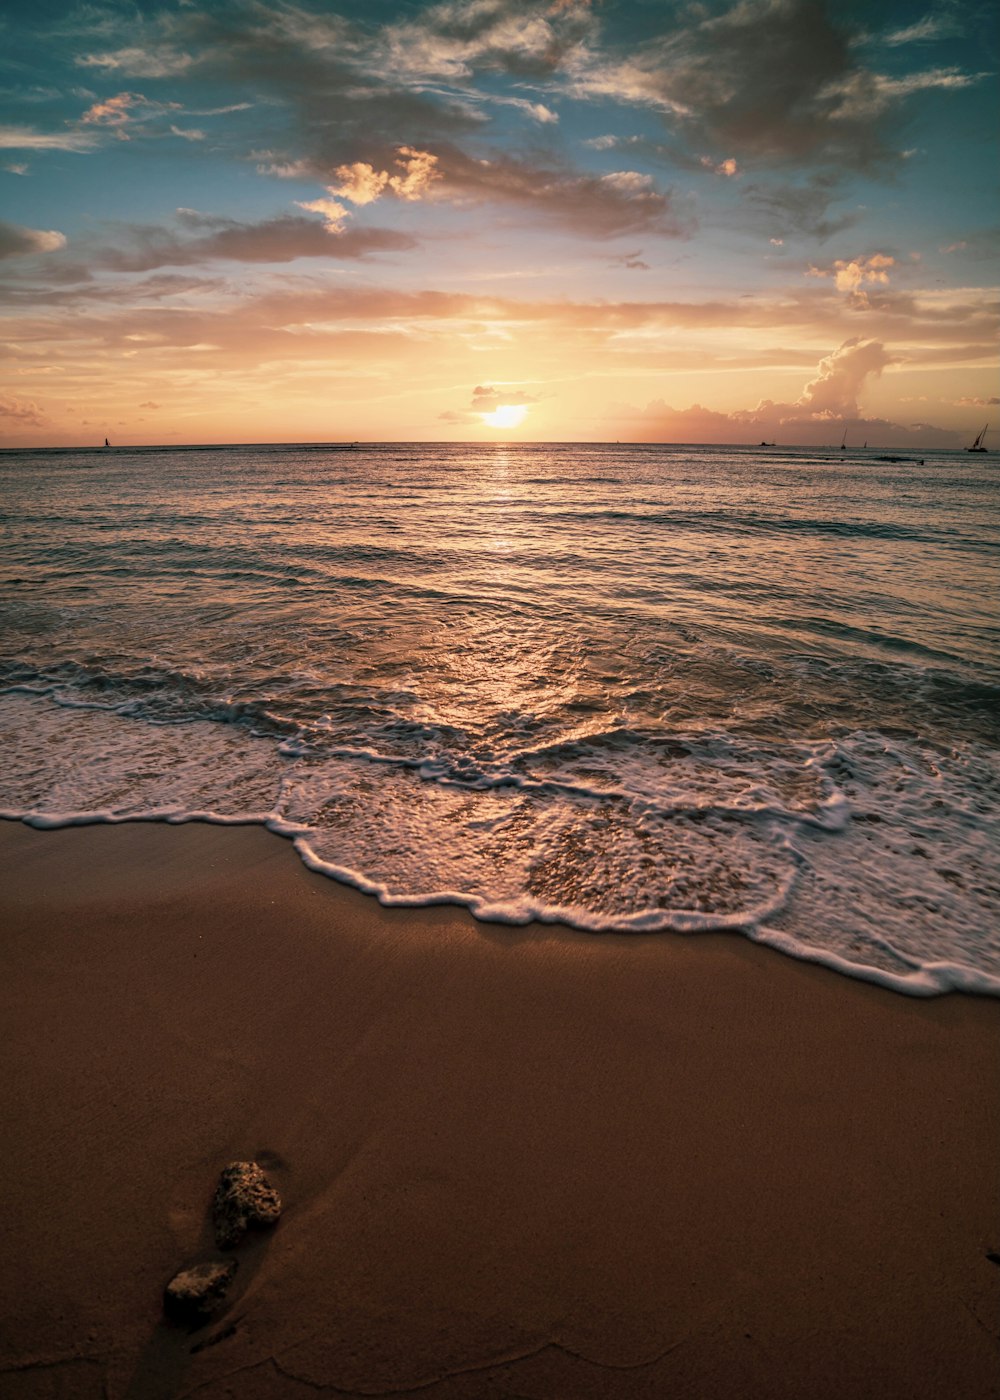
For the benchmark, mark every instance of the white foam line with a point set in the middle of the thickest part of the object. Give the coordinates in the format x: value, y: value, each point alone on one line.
x: 927, y: 979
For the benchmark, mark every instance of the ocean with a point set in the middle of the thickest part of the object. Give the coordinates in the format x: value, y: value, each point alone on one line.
x: 630, y: 688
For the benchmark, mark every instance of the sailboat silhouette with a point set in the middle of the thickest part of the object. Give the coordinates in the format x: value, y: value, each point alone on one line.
x: 977, y: 446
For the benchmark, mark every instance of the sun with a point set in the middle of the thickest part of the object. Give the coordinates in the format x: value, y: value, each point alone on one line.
x: 505, y: 415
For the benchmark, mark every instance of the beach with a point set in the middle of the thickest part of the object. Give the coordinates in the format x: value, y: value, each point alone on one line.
x: 515, y: 1161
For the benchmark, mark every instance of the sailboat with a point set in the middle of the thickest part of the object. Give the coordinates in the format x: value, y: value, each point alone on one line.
x: 843, y: 441
x: 106, y: 443
x: 977, y: 446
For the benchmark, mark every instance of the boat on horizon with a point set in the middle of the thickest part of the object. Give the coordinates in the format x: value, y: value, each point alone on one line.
x: 977, y: 446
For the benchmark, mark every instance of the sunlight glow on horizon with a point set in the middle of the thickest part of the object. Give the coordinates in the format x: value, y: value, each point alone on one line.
x: 505, y: 415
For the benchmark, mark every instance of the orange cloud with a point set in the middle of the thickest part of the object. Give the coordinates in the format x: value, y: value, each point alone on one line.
x: 334, y: 214
x: 840, y: 377
x: 361, y: 183
x: 116, y: 111
x: 727, y: 167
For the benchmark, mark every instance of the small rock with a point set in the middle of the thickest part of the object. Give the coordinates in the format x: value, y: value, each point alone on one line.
x: 244, y: 1197
x: 195, y: 1293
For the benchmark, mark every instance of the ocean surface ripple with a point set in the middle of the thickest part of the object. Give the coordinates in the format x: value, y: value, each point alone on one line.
x: 626, y: 687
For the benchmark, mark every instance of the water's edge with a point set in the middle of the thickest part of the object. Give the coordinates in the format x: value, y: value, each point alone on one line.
x: 930, y: 980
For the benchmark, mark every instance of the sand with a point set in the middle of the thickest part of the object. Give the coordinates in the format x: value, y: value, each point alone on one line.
x: 515, y: 1162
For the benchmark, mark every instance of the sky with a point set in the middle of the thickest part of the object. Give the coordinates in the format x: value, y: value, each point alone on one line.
x: 486, y: 220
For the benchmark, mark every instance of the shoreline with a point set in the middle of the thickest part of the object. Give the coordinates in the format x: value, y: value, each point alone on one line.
x: 925, y: 980
x: 516, y: 1159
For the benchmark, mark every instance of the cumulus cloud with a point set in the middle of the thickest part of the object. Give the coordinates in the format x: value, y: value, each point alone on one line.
x: 979, y: 402
x: 16, y: 241
x: 359, y: 182
x: 841, y: 376
x: 851, y: 275
x: 828, y: 403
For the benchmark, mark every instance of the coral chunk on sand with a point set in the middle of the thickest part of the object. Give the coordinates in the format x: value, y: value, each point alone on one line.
x: 243, y: 1198
x: 195, y: 1293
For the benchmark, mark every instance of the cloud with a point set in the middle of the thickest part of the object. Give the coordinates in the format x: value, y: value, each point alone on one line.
x: 487, y: 397
x: 456, y: 39
x: 600, y: 206
x: 159, y: 62
x: 114, y: 112
x: 979, y: 402
x: 631, y: 260
x: 22, y: 411
x: 841, y: 376
x: 851, y: 275
x: 125, y: 107
x: 352, y: 89
x: 776, y: 82
x: 782, y: 210
x: 334, y: 214
x: 727, y: 167
x: 361, y: 183
x: 149, y: 404
x: 930, y: 27
x: 22, y: 138
x: 862, y: 96
x: 828, y: 403
x: 278, y: 240
x: 16, y: 241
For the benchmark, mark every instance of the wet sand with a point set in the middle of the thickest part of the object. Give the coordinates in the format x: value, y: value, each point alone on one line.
x: 515, y: 1162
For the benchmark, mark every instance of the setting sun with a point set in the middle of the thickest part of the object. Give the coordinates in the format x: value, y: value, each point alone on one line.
x: 505, y: 415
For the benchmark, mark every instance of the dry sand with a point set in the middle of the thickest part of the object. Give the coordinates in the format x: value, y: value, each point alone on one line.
x: 516, y: 1162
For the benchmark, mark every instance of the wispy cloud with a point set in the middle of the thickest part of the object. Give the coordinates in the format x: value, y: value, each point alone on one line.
x: 206, y: 238
x: 137, y: 62
x: 23, y: 138
x: 921, y: 32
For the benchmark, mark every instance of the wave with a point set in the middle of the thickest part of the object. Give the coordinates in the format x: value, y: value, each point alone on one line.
x: 868, y: 854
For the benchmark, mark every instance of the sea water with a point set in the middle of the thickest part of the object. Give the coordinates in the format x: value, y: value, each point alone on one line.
x: 625, y: 687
